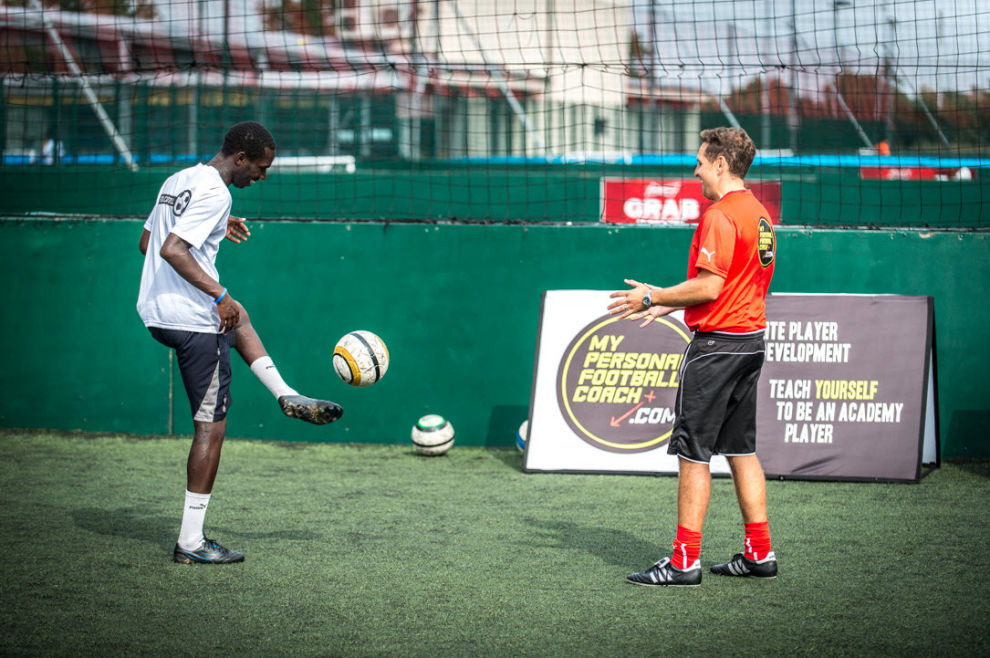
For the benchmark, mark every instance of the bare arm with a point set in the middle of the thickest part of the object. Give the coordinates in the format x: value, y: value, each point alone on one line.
x: 705, y: 287
x: 143, y: 242
x: 175, y: 252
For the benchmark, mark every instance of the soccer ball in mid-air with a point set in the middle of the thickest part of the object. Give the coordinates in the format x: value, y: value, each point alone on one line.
x: 521, y: 435
x: 432, y: 435
x: 360, y: 358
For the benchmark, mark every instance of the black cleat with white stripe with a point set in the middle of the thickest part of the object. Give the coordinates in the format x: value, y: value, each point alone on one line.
x: 740, y: 566
x: 208, y: 552
x: 318, y: 412
x: 663, y: 573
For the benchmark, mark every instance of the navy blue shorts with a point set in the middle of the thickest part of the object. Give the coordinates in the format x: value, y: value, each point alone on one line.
x: 716, y: 396
x: 204, y: 362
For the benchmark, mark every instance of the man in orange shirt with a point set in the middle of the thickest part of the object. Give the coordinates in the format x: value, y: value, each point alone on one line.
x: 724, y: 300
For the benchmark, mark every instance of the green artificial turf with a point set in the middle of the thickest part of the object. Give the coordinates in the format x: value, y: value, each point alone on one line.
x: 376, y: 551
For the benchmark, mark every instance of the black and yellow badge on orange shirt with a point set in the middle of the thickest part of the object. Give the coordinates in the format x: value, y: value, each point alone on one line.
x: 617, y: 382
x: 768, y: 242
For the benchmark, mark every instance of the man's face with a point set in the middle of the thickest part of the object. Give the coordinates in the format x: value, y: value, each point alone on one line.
x: 708, y: 173
x: 248, y: 171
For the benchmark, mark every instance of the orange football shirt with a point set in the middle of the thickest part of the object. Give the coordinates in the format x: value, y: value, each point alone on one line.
x: 735, y: 240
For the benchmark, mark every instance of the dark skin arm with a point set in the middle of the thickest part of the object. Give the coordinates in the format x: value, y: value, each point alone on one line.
x: 237, y: 232
x: 175, y: 252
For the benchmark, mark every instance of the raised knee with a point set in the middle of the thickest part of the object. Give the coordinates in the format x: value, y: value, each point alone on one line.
x: 243, y: 320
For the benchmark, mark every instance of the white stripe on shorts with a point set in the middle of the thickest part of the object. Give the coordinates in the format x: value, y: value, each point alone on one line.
x: 208, y: 408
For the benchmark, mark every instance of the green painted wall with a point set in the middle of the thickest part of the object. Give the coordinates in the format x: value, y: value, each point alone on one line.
x: 816, y: 196
x: 457, y: 304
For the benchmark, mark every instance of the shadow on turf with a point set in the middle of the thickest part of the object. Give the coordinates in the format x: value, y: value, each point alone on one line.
x: 611, y: 545
x: 511, y: 457
x: 129, y: 522
x: 135, y: 523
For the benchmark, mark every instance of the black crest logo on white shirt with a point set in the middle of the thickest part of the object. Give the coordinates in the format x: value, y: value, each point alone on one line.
x: 181, y: 202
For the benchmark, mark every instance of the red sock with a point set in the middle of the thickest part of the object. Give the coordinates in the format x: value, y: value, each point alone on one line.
x: 687, y: 548
x: 757, y: 541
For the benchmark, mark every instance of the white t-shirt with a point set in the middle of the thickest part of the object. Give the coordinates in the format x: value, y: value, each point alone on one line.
x: 194, y: 204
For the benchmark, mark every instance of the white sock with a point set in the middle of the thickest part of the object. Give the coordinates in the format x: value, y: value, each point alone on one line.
x: 191, y: 534
x: 265, y: 370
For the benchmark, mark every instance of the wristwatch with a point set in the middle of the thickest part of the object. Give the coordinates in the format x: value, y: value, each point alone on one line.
x: 647, y: 301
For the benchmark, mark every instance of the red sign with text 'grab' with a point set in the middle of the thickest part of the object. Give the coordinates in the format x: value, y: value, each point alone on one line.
x: 669, y: 201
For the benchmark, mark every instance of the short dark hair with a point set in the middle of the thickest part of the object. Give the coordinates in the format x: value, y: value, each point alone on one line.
x: 250, y: 137
x: 733, y: 144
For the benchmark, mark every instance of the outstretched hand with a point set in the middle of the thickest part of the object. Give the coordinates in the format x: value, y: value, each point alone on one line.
x: 237, y: 230
x: 628, y: 301
x: 652, y: 313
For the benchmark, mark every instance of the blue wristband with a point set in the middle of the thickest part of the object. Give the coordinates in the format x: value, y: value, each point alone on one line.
x: 222, y: 295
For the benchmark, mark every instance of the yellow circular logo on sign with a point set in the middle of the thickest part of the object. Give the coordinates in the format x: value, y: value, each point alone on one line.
x: 617, y: 382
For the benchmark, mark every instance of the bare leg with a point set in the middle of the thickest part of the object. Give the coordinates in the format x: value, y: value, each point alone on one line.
x: 204, y: 455
x: 249, y: 344
x: 757, y: 560
x: 751, y: 487
x: 694, y: 489
x: 294, y: 405
x: 201, y: 471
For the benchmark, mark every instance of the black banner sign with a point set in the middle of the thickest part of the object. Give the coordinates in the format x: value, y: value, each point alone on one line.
x: 846, y: 393
x: 844, y: 390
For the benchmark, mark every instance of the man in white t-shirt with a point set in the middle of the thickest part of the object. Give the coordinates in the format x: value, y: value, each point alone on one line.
x: 185, y: 307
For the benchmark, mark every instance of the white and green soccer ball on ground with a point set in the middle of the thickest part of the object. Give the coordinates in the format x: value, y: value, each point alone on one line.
x: 432, y: 435
x: 360, y: 358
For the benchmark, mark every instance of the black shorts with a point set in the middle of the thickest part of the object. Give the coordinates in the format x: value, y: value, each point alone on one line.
x: 204, y: 362
x: 716, y: 397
